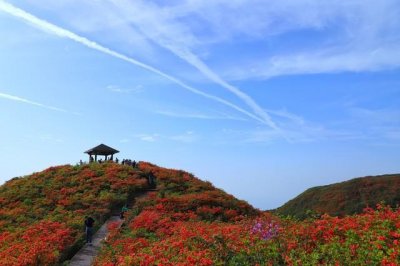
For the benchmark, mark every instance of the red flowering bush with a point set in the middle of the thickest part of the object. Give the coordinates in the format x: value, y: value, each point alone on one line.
x: 39, y: 244
x: 41, y: 215
x: 179, y: 227
x: 185, y: 222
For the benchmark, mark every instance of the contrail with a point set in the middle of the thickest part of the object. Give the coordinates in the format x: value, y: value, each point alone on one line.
x: 192, y: 59
x: 203, y: 68
x: 61, y: 32
x: 18, y: 99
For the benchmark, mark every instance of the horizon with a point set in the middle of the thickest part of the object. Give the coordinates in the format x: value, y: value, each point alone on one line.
x: 263, y: 100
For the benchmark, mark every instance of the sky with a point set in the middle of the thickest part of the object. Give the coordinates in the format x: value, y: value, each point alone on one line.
x: 262, y: 98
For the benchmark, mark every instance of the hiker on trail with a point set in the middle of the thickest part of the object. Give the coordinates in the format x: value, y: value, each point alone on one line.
x: 124, y: 209
x: 116, y: 160
x: 151, y: 180
x: 89, y: 229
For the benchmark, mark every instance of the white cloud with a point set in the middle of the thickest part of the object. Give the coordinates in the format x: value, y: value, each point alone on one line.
x: 357, y: 35
x: 117, y: 89
x: 187, y: 137
x: 198, y: 116
x: 23, y: 100
x: 386, y: 116
x: 353, y: 36
x: 325, y: 61
x: 148, y: 138
x: 172, y: 35
x: 61, y: 32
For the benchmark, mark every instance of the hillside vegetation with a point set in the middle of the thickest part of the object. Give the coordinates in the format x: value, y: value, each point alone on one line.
x: 185, y: 221
x: 345, y: 198
x: 189, y: 223
x: 41, y: 215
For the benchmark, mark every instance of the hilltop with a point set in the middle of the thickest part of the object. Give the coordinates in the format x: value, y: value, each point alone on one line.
x: 345, y: 198
x: 184, y: 221
x: 41, y: 215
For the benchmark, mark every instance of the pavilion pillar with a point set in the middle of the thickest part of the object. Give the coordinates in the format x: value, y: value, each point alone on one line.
x: 95, y: 157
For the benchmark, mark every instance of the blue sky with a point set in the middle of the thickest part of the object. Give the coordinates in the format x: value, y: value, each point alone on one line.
x: 262, y: 98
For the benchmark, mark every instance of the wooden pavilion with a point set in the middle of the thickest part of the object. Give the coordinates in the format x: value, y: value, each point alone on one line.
x: 102, y: 150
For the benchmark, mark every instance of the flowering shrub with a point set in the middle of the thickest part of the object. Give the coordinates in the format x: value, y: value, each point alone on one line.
x: 179, y: 227
x: 266, y: 230
x: 41, y: 215
x: 39, y: 244
x: 186, y: 222
x: 371, y: 238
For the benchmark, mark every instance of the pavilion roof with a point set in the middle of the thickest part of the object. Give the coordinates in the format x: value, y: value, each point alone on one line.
x: 101, y: 150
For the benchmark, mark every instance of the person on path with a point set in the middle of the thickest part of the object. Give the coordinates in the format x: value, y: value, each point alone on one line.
x: 122, y: 214
x: 89, y: 229
x: 151, y: 180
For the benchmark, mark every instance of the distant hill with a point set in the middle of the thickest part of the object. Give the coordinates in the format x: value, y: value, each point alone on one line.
x: 345, y: 198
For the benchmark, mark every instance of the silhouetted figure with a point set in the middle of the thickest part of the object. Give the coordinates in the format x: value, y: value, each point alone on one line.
x: 134, y: 164
x: 89, y: 229
x: 91, y: 160
x: 116, y: 160
x: 151, y: 180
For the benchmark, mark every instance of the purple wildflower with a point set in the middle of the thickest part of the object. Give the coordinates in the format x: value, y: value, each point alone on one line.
x: 265, y: 230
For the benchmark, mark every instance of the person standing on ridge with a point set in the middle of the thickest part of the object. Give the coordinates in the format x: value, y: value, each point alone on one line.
x: 89, y: 229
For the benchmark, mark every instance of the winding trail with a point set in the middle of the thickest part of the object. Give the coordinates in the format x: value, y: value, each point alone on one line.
x: 87, y: 253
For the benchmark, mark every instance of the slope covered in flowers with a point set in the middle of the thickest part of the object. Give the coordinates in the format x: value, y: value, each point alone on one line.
x: 41, y: 215
x: 345, y: 198
x: 187, y: 222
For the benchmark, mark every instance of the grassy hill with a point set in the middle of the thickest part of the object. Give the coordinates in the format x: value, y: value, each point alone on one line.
x: 345, y: 198
x: 41, y: 215
x: 185, y: 221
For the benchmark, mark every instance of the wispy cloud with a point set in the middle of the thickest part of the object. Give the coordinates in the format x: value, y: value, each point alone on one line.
x: 336, y: 36
x: 323, y: 61
x: 147, y: 137
x: 168, y: 35
x: 50, y: 138
x: 186, y: 137
x: 61, y: 32
x: 117, y: 89
x: 349, y: 36
x: 198, y: 116
x: 360, y: 124
x: 23, y: 100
